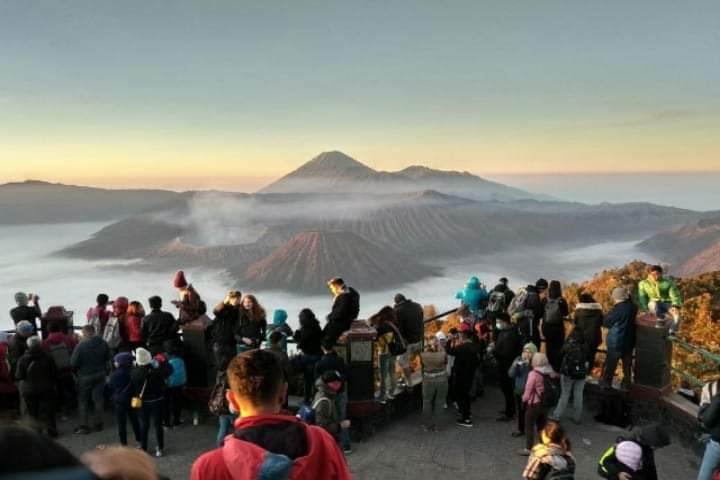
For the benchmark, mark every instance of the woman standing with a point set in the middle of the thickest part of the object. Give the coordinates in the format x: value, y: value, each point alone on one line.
x: 135, y: 314
x: 148, y: 384
x: 435, y: 382
x: 553, y: 323
x: 386, y: 331
x: 252, y: 324
x: 224, y: 326
x: 589, y: 319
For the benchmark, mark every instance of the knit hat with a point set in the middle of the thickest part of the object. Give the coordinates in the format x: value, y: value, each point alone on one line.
x: 142, y: 357
x: 629, y: 454
x: 619, y: 294
x: 279, y: 317
x: 531, y: 347
x: 25, y: 328
x: 123, y: 359
x: 21, y: 299
x: 179, y: 280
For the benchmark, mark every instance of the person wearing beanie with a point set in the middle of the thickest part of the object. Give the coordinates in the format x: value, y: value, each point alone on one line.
x: 121, y: 388
x: 36, y: 369
x: 518, y: 372
x: 620, y: 341
x: 90, y: 361
x: 506, y: 351
x: 25, y: 311
x: 622, y: 461
x: 148, y: 383
x: 190, y: 305
x: 279, y: 324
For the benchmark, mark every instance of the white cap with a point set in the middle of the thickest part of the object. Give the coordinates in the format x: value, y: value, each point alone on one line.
x: 142, y: 357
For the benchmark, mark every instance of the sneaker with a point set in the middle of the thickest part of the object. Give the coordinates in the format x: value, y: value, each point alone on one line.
x: 465, y: 423
x: 158, y: 452
x: 347, y: 451
x: 82, y: 430
x: 524, y: 452
x: 138, y: 445
x: 445, y: 406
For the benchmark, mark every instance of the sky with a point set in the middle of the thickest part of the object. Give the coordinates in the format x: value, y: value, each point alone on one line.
x: 232, y: 94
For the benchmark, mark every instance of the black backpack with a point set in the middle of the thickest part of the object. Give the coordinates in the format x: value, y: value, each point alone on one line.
x: 496, y: 303
x: 553, y: 314
x: 551, y: 391
x: 574, y: 364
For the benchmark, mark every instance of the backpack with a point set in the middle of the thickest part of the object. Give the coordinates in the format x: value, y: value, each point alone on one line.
x: 398, y: 345
x: 553, y: 314
x: 518, y: 302
x: 111, y: 335
x: 306, y: 412
x: 551, y: 391
x: 95, y: 321
x: 60, y: 355
x: 524, y: 322
x: 574, y: 364
x: 217, y: 404
x: 496, y: 303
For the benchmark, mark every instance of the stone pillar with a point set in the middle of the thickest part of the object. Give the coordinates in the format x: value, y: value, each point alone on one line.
x: 653, y: 356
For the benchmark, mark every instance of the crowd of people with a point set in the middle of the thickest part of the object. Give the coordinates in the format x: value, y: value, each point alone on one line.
x: 542, y: 355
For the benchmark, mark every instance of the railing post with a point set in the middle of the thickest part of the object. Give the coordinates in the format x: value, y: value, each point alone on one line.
x: 653, y: 356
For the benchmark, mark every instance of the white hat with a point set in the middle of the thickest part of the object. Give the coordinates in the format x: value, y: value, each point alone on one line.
x: 142, y: 357
x: 629, y: 454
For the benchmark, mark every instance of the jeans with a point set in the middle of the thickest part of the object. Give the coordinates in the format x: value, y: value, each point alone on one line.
x: 225, y: 428
x: 309, y: 362
x: 388, y: 378
x: 173, y: 405
x: 710, y: 460
x: 520, y: 405
x: 151, y: 411
x: 611, y: 364
x: 660, y: 309
x: 90, y: 393
x: 122, y: 413
x: 535, y: 417
x: 434, y: 391
x: 506, y: 386
x: 568, y: 386
x: 341, y: 400
x: 41, y: 407
x: 462, y: 386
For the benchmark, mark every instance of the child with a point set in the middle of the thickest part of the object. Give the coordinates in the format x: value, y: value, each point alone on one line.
x: 279, y: 324
x: 175, y: 385
x: 622, y: 461
x: 326, y: 415
x: 121, y: 387
x: 551, y: 456
x: 519, y: 371
x: 332, y: 362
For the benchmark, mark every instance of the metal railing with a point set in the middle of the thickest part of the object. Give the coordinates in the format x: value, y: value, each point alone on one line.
x: 711, y: 357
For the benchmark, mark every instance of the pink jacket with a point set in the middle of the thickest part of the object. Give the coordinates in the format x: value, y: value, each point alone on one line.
x: 535, y: 386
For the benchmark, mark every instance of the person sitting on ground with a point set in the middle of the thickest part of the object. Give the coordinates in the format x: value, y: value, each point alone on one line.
x: 252, y: 325
x: 38, y: 373
x: 709, y: 417
x: 536, y: 410
x: 148, y: 384
x: 659, y: 295
x: 620, y: 340
x: 158, y: 326
x: 99, y: 315
x: 174, y: 396
x: 28, y: 308
x: 649, y: 438
x: 60, y: 347
x: 190, y: 305
x: 384, y: 324
x: 507, y: 348
x: 467, y: 360
x: 410, y: 318
x: 345, y: 309
x: 121, y: 387
x: 474, y: 296
x: 573, y: 370
x: 265, y: 441
x: 224, y: 325
x: 518, y: 372
x: 332, y: 362
x: 326, y: 415
x: 551, y: 458
x: 589, y: 319
x: 90, y: 360
x: 435, y: 382
x: 279, y: 324
x: 308, y: 339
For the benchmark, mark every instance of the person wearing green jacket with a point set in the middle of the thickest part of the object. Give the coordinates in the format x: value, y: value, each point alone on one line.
x: 659, y: 295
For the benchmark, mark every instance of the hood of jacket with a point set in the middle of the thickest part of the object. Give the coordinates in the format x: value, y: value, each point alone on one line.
x: 588, y: 306
x: 473, y: 283
x: 279, y: 318
x: 553, y: 455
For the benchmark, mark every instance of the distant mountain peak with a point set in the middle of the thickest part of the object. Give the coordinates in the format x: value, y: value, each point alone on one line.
x: 332, y: 163
x: 422, y: 172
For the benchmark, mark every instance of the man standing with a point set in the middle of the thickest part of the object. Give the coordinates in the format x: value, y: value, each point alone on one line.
x: 90, y: 360
x: 508, y: 347
x: 659, y: 295
x: 158, y: 326
x: 410, y: 318
x: 620, y: 322
x: 467, y: 360
x: 345, y: 309
x: 25, y: 311
x: 38, y: 373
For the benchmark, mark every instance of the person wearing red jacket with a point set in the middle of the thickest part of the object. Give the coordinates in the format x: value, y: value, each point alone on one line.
x: 135, y: 314
x: 265, y: 442
x: 60, y: 347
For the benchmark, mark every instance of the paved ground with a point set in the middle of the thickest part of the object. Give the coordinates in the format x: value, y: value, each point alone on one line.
x: 401, y: 450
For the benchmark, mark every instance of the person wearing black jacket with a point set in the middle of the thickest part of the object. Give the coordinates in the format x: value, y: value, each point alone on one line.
x: 332, y: 362
x: 508, y: 347
x: 410, y: 321
x: 148, y: 383
x: 589, y: 319
x: 555, y: 311
x: 345, y: 309
x: 39, y: 376
x: 533, y: 302
x: 467, y: 360
x: 120, y: 384
x: 224, y: 326
x: 24, y: 311
x: 158, y: 326
x: 308, y: 339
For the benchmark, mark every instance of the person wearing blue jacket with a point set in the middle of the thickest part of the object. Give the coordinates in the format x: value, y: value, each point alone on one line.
x: 279, y: 324
x: 474, y: 296
x: 121, y: 387
x: 175, y: 385
x: 620, y: 341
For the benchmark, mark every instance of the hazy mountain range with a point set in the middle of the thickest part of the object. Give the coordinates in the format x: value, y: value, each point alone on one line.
x: 335, y: 216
